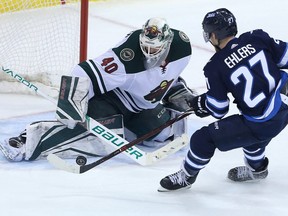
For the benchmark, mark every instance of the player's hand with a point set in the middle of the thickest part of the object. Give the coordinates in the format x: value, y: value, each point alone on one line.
x: 198, y: 105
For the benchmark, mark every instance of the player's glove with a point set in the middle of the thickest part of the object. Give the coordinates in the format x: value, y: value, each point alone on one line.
x: 198, y: 105
x: 284, y: 89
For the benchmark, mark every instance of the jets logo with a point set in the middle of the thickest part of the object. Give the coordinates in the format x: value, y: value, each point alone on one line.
x: 277, y: 41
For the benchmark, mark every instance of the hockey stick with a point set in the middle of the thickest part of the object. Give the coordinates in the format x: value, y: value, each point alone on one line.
x: 62, y: 164
x: 150, y: 157
x: 110, y: 137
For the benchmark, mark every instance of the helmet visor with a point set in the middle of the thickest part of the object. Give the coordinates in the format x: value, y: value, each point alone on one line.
x: 206, y: 36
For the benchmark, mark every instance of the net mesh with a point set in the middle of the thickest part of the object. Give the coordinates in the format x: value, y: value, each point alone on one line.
x: 39, y: 41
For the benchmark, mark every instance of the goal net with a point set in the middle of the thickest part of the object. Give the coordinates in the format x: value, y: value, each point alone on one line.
x: 39, y: 42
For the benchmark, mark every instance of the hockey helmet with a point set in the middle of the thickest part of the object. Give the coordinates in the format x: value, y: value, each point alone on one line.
x: 155, y: 38
x: 221, y: 22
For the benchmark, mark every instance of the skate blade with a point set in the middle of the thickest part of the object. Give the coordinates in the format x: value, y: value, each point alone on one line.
x: 161, y: 189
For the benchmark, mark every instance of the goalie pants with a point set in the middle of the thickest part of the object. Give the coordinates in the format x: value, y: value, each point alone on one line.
x: 138, y: 123
x: 231, y: 133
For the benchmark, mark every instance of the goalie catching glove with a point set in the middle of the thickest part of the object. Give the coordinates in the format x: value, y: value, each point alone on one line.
x: 178, y: 96
x: 72, y: 101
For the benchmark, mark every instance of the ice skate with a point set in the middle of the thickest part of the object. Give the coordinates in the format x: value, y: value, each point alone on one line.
x: 176, y: 181
x: 245, y: 173
x: 13, y: 148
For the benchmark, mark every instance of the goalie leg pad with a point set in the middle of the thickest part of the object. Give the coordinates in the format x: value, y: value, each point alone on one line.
x: 48, y: 137
x: 73, y: 100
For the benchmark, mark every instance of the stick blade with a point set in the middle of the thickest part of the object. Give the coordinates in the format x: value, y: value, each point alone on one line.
x: 62, y: 164
x: 167, y: 150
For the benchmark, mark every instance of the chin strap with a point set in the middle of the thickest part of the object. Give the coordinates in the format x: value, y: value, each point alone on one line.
x: 217, y: 48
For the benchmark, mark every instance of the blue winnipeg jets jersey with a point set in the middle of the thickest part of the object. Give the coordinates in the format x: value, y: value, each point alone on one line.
x: 121, y: 72
x: 249, y: 68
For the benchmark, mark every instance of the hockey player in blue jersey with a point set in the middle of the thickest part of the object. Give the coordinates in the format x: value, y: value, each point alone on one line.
x: 250, y: 68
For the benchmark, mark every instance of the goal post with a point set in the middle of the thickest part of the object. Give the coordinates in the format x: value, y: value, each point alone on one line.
x: 83, y: 30
x: 40, y: 40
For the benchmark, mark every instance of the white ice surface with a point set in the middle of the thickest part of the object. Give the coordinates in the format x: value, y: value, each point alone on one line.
x: 121, y: 187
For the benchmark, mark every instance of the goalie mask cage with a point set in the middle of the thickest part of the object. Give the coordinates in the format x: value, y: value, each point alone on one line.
x: 41, y: 40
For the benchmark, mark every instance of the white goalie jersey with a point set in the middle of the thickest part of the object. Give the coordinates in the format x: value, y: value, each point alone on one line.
x: 123, y: 71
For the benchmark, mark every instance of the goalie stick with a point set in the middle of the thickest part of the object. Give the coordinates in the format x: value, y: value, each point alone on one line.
x: 152, y: 157
x: 109, y: 137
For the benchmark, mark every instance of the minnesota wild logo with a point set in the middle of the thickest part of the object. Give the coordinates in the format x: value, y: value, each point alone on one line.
x: 157, y: 93
x: 127, y: 54
x: 152, y: 32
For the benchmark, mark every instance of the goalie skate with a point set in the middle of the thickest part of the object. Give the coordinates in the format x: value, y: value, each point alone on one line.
x: 244, y: 173
x: 13, y: 149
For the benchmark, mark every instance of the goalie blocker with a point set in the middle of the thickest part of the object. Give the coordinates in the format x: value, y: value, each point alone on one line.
x: 72, y: 103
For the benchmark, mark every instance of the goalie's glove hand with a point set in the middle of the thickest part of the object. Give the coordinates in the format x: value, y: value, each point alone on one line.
x: 198, y: 105
x: 178, y: 96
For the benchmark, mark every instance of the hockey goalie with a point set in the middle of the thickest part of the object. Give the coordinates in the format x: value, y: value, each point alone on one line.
x: 131, y: 89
